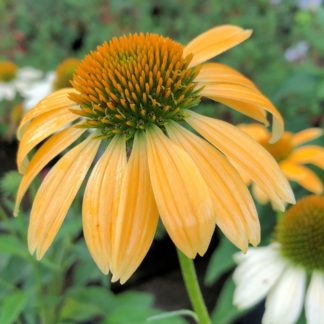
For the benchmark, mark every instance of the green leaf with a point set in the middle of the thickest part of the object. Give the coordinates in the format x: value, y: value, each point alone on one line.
x: 12, y: 306
x: 78, y: 311
x: 173, y: 314
x: 101, y: 297
x: 11, y: 245
x: 131, y: 307
x: 221, y: 261
x: 9, y: 183
x: 129, y: 314
x: 134, y: 298
x: 225, y: 312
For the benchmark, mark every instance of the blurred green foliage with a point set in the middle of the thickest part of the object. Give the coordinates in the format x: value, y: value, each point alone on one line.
x: 66, y: 287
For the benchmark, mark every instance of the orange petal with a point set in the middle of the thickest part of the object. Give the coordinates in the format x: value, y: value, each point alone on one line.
x: 248, y: 109
x: 56, y: 100
x: 101, y: 202
x: 256, y: 131
x: 235, y: 211
x: 259, y: 195
x: 51, y: 148
x: 250, y: 156
x: 215, y: 41
x: 303, y: 176
x: 308, y: 154
x: 237, y: 94
x: 137, y: 216
x: 40, y: 128
x: 56, y: 193
x: 220, y: 73
x: 181, y: 194
x: 307, y: 135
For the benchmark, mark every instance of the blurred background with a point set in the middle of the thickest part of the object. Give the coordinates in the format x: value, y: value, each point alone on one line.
x: 41, y: 42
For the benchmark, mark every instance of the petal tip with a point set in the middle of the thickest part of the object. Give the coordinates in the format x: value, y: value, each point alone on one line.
x: 114, y: 277
x: 248, y: 32
x: 40, y: 253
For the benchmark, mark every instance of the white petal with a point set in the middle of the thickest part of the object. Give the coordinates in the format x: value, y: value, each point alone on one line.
x: 314, y: 305
x: 256, y: 275
x: 7, y: 91
x: 285, y: 301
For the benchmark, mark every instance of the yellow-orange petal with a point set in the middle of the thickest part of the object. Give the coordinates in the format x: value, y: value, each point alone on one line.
x: 251, y: 110
x: 221, y: 73
x: 181, y: 194
x: 259, y: 194
x: 56, y: 100
x: 101, y: 202
x: 312, y: 154
x: 303, y: 176
x: 51, y: 148
x: 246, y: 95
x: 215, y: 41
x: 137, y: 216
x: 247, y: 154
x: 307, y: 135
x: 234, y: 207
x: 56, y: 193
x: 256, y: 131
x: 40, y: 128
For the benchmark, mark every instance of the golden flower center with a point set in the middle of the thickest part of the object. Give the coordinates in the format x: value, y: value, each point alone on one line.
x: 281, y: 149
x: 301, y: 233
x: 8, y: 71
x: 64, y: 73
x: 132, y: 82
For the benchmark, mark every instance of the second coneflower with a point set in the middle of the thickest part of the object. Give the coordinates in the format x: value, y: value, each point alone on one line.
x: 292, y: 156
x: 134, y: 92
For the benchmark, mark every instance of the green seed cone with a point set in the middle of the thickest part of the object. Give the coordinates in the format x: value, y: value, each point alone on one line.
x: 301, y: 233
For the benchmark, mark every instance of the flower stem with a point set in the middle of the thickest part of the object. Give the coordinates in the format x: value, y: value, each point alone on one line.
x: 191, y: 282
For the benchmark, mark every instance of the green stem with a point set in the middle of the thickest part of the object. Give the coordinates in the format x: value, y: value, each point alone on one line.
x: 191, y: 282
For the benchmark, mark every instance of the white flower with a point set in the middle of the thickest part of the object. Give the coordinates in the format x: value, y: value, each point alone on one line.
x: 24, y: 78
x: 7, y: 90
x: 297, y: 52
x: 38, y: 90
x: 263, y: 272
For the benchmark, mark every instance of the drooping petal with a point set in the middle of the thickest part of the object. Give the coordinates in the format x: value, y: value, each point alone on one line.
x: 182, y: 196
x: 251, y: 110
x: 217, y: 73
x: 306, y: 135
x: 56, y: 193
x: 50, y: 149
x: 285, y: 301
x: 314, y: 299
x: 40, y: 128
x: 256, y: 131
x: 234, y: 208
x: 303, y: 176
x: 256, y: 275
x: 101, y: 202
x: 215, y: 41
x: 56, y: 100
x: 312, y: 154
x: 245, y: 154
x: 137, y: 216
x: 248, y: 96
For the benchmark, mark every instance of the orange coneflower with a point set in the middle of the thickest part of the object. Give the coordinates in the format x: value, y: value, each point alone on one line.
x: 291, y: 155
x: 135, y: 91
